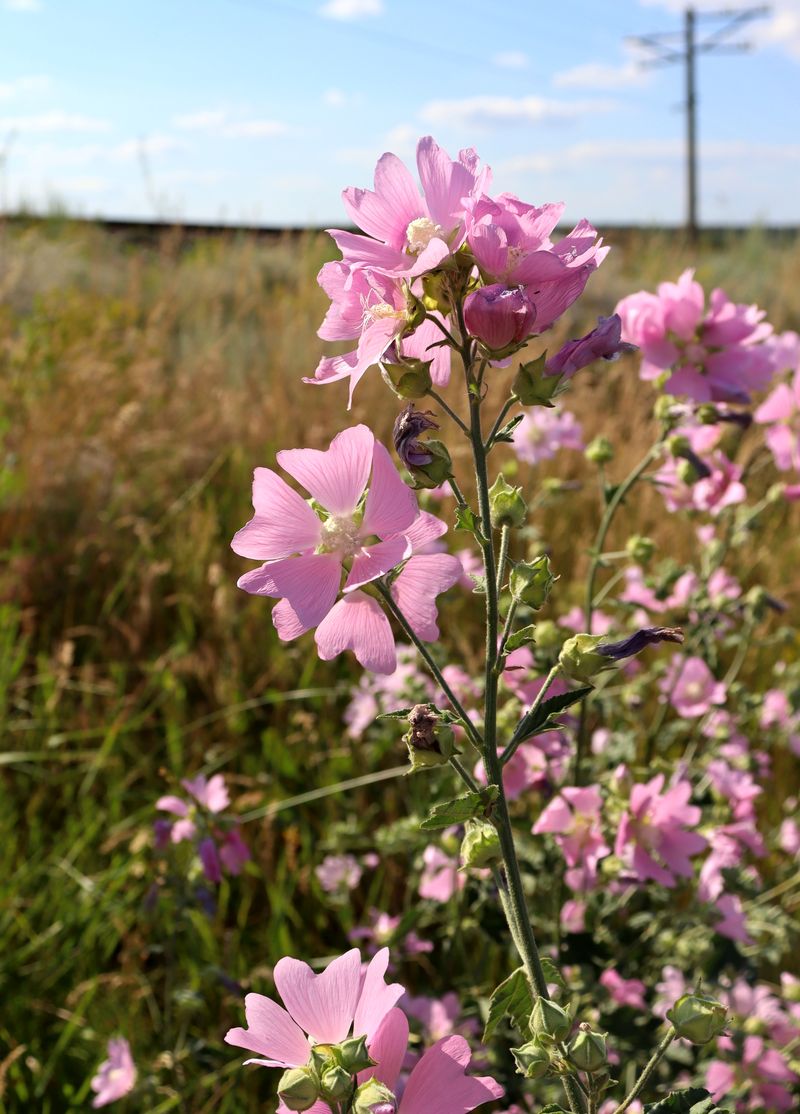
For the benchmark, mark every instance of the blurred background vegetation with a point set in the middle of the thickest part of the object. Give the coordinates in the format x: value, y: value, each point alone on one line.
x: 139, y: 386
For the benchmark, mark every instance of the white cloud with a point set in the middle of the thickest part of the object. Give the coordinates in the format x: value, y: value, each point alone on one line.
x: 218, y: 121
x: 487, y: 112
x: 56, y: 121
x: 351, y: 9
x: 650, y: 151
x: 597, y: 75
x: 23, y: 5
x: 19, y: 86
x: 511, y: 60
x: 146, y: 146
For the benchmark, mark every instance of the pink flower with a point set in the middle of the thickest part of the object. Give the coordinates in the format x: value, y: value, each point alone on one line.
x: 408, y: 234
x: 324, y: 1008
x: 573, y: 916
x: 574, y: 817
x: 625, y: 992
x: 338, y: 872
x: 511, y: 244
x: 789, y: 837
x: 116, y: 1076
x: 574, y: 619
x: 211, y: 795
x: 545, y: 431
x: 713, y: 355
x: 651, y: 840
x: 602, y: 343
x: 780, y: 412
x: 499, y: 316
x: 732, y: 923
x: 440, y: 878
x: 691, y: 687
x: 217, y: 848
x: 721, y: 487
x: 761, y: 1075
x: 383, y: 930
x: 673, y: 986
x: 233, y: 852
x: 305, y: 553
x: 439, y: 1017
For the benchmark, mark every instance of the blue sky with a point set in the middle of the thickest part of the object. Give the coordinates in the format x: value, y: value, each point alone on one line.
x: 261, y: 111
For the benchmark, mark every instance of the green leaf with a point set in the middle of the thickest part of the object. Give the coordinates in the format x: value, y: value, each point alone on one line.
x: 694, y: 1100
x: 551, y: 1108
x: 523, y: 637
x: 507, y: 432
x: 511, y: 998
x: 479, y: 580
x: 401, y: 713
x: 543, y: 718
x: 460, y: 809
x: 466, y: 519
x: 552, y: 973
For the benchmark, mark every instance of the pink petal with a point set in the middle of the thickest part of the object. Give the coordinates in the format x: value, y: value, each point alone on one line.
x: 440, y: 1072
x: 386, y: 213
x: 337, y: 476
x: 309, y: 583
x: 323, y: 1005
x: 391, y: 505
x: 173, y: 804
x: 357, y: 623
x: 283, y: 523
x: 286, y: 623
x: 377, y: 560
x: 416, y: 588
x: 388, y: 1048
x: 271, y: 1033
x: 377, y: 998
x: 425, y: 529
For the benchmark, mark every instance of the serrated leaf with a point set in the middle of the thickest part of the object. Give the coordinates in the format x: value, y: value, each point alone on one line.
x: 460, y: 809
x: 694, y: 1100
x: 552, y: 973
x: 507, y: 432
x: 541, y: 719
x: 401, y: 713
x: 512, y: 998
x: 466, y: 519
x: 523, y: 637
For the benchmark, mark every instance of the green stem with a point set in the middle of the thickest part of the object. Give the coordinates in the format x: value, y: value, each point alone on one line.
x: 651, y: 1066
x: 457, y: 492
x: 505, y: 537
x: 508, y: 753
x: 498, y: 423
x: 449, y: 411
x: 458, y: 707
x: 504, y: 637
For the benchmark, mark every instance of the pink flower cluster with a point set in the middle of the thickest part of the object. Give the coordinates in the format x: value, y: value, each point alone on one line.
x: 350, y: 1000
x: 364, y: 519
x: 713, y: 354
x: 529, y: 280
x: 220, y: 846
x: 780, y: 413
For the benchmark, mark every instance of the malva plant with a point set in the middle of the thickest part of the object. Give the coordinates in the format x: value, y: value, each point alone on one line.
x: 454, y: 282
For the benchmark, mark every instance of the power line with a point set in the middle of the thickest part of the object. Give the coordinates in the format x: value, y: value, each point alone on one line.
x: 667, y: 47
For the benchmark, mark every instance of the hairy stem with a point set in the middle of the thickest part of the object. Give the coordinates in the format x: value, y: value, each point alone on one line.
x: 650, y: 1067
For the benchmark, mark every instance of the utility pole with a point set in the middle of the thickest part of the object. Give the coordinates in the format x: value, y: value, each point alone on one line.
x: 664, y: 48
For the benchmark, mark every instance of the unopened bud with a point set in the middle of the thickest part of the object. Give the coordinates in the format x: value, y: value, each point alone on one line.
x: 686, y: 472
x: 533, y: 1061
x: 374, y: 1097
x: 438, y: 469
x: 481, y: 843
x: 549, y: 1021
x: 410, y: 379
x: 298, y: 1088
x: 678, y: 444
x: 698, y: 1019
x: 549, y: 635
x: 506, y: 505
x: 579, y: 659
x: 666, y: 410
x: 599, y: 451
x: 640, y: 549
x: 500, y: 317
x: 588, y: 1051
x: 336, y: 1083
x: 530, y: 582
x: 354, y: 1055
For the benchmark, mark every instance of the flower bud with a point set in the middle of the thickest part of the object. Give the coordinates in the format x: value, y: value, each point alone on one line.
x: 579, y: 659
x: 667, y: 410
x: 549, y: 1021
x: 506, y: 505
x: 354, y: 1055
x: 549, y: 635
x: 500, y: 317
x: 640, y: 549
x: 686, y: 472
x: 298, y: 1088
x: 481, y: 843
x: 533, y: 386
x: 530, y: 582
x: 408, y: 425
x: 430, y: 742
x: 533, y: 1061
x: 336, y: 1083
x: 588, y: 1051
x: 678, y: 445
x: 374, y: 1097
x: 599, y: 451
x: 438, y: 469
x: 602, y: 343
x: 698, y: 1019
x: 410, y: 379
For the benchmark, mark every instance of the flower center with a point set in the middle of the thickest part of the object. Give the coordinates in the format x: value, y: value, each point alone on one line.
x: 694, y: 690
x: 695, y: 353
x: 382, y: 310
x: 515, y: 256
x: 420, y: 233
x: 340, y: 535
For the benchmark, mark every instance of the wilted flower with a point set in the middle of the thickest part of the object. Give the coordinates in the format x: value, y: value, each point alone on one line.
x: 408, y: 425
x: 602, y: 343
